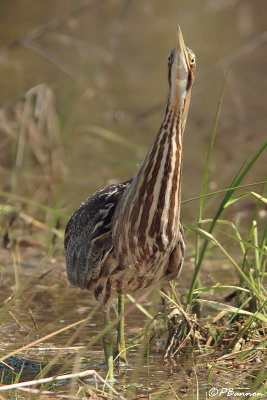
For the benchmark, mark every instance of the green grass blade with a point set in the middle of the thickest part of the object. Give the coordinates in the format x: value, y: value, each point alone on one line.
x: 235, y: 183
x: 209, y: 237
x: 112, y: 137
x: 206, y: 289
x: 30, y: 202
x: 207, y: 165
x: 139, y: 306
x: 259, y: 197
x: 231, y: 309
x: 223, y: 191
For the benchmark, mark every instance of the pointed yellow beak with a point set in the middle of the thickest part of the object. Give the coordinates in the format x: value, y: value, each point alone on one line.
x: 180, y: 46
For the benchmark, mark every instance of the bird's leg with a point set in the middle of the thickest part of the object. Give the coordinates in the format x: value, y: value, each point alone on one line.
x: 108, y: 345
x: 121, y: 350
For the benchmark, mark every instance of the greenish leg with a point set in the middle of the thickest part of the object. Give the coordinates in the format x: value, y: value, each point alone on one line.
x: 108, y: 345
x: 121, y: 350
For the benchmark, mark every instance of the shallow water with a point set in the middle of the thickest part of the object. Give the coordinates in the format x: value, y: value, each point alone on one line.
x: 47, y: 303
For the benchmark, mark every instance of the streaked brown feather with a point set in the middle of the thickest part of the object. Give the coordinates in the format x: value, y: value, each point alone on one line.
x: 128, y: 235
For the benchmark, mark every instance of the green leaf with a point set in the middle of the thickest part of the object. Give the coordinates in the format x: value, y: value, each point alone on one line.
x: 240, y: 175
x: 112, y: 136
x: 259, y: 197
x: 235, y: 198
x: 139, y: 306
x: 231, y: 309
x: 218, y: 287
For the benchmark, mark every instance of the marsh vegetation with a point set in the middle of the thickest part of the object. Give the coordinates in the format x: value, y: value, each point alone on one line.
x: 79, y: 108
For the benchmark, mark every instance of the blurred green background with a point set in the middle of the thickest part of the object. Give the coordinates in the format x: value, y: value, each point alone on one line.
x: 105, y: 62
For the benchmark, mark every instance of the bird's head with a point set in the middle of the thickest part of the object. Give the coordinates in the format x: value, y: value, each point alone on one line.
x: 181, y: 72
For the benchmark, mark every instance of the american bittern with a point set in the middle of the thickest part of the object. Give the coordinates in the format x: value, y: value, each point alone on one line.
x: 129, y: 235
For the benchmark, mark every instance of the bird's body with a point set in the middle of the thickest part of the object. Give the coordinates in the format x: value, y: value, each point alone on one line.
x: 129, y: 235
x: 92, y: 260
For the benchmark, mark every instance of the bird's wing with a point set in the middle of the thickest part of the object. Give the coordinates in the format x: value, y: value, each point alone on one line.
x: 88, y: 238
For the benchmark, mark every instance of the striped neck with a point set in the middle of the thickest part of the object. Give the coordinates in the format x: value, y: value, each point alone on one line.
x: 146, y: 219
x: 156, y: 187
x: 148, y: 213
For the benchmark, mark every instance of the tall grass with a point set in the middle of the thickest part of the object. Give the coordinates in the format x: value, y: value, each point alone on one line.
x: 226, y: 201
x: 247, y: 258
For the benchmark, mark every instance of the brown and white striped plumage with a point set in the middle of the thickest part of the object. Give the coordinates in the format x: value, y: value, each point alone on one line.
x: 128, y: 235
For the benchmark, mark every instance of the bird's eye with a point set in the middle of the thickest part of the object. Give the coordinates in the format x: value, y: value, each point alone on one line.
x: 192, y: 61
